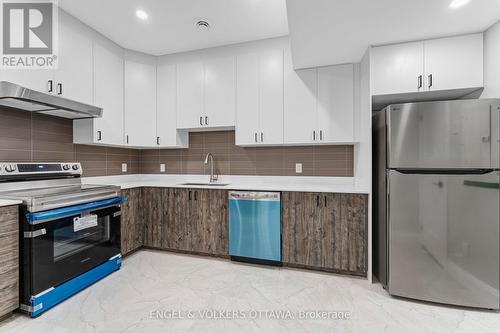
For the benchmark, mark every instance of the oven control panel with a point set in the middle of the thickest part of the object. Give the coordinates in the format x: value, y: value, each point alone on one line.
x: 36, y: 168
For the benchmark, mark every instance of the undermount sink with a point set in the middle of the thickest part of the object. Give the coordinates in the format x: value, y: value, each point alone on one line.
x: 204, y: 184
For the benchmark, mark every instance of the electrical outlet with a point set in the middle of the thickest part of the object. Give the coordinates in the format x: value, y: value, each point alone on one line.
x: 162, y: 167
x: 298, y: 167
x: 124, y: 167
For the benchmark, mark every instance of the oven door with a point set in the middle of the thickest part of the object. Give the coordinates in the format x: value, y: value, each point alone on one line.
x: 59, y: 249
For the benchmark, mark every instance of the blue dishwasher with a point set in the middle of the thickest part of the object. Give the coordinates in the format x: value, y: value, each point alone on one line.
x: 255, y: 227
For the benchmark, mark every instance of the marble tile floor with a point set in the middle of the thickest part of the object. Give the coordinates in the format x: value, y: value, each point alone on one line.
x: 164, y: 292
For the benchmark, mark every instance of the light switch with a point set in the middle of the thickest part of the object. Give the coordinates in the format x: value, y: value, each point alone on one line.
x: 124, y: 167
x: 298, y: 167
x: 162, y: 167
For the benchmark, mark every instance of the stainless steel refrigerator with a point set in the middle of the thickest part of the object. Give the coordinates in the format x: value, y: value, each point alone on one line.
x: 437, y: 201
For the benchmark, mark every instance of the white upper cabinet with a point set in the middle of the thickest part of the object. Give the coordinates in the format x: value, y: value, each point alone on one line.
x: 301, y: 89
x: 271, y: 97
x: 108, y: 93
x: 397, y: 68
x: 73, y: 76
x: 220, y: 99
x: 206, y: 94
x: 248, y: 99
x: 319, y: 105
x: 259, y: 108
x: 190, y: 95
x: 36, y: 79
x: 140, y: 100
x: 431, y: 65
x: 336, y: 103
x: 166, y: 109
x: 454, y: 63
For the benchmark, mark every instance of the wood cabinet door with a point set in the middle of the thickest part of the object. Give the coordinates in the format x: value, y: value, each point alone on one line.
x: 354, y: 229
x: 176, y: 219
x: 9, y: 259
x: 132, y: 221
x: 301, y: 228
x: 213, y: 233
x: 153, y: 211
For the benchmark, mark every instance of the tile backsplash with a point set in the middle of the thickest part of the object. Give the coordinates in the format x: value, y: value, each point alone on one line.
x: 26, y: 136
x: 264, y: 161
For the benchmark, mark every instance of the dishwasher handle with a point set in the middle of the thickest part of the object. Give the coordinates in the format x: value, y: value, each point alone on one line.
x: 259, y: 196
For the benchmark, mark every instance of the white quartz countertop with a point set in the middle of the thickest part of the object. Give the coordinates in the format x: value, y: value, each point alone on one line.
x: 247, y: 183
x: 4, y: 203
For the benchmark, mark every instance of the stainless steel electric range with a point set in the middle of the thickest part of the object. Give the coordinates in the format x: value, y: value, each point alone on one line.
x: 70, y: 232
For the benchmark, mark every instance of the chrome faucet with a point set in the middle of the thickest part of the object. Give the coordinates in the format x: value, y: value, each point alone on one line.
x: 209, y: 159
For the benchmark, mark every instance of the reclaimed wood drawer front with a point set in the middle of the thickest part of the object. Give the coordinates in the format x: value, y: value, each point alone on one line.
x: 9, y: 259
x: 325, y: 231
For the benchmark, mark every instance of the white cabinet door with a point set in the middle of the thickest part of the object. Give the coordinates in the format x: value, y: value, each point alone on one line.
x: 397, y: 68
x: 300, y: 117
x: 190, y: 95
x: 454, y: 63
x: 73, y: 77
x: 220, y: 90
x: 336, y: 104
x: 140, y: 102
x: 271, y: 97
x: 166, y: 108
x: 36, y: 79
x: 108, y: 94
x: 248, y: 100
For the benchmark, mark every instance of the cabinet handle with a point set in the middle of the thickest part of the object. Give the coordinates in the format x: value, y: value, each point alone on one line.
x: 99, y: 135
x: 50, y: 86
x: 127, y: 138
x: 59, y: 88
x: 261, y: 136
x: 314, y: 135
x: 256, y: 137
x: 189, y: 195
x: 321, y: 135
x: 419, y: 82
x: 195, y: 195
x: 317, y: 200
x: 201, y: 121
x: 206, y: 120
x: 430, y: 80
x: 158, y: 140
x: 325, y: 200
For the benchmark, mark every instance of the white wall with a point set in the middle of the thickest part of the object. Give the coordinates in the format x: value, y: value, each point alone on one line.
x: 492, y: 62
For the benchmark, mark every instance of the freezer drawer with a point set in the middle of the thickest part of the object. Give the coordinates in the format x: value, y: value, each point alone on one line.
x: 444, y: 238
x: 255, y: 226
x: 450, y: 134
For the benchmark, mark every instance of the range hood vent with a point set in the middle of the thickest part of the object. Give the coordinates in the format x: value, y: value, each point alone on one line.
x: 15, y: 96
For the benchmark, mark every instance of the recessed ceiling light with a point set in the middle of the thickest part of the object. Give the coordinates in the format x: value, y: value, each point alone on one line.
x: 458, y: 3
x: 203, y: 25
x: 141, y: 14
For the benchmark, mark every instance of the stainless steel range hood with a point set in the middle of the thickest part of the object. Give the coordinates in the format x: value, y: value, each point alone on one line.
x: 15, y: 96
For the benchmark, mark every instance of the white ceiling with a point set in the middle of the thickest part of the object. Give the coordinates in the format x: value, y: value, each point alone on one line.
x: 325, y: 32
x: 170, y: 27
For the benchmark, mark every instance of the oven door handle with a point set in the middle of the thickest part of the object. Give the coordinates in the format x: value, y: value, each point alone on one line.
x: 49, y: 215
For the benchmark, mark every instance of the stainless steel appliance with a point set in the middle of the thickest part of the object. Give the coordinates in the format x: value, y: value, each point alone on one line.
x: 70, y: 233
x: 255, y: 227
x: 16, y: 96
x: 437, y: 202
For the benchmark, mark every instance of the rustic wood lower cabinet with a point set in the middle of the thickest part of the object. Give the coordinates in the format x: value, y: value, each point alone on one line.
x: 189, y: 220
x: 9, y: 259
x: 326, y: 231
x: 132, y: 221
